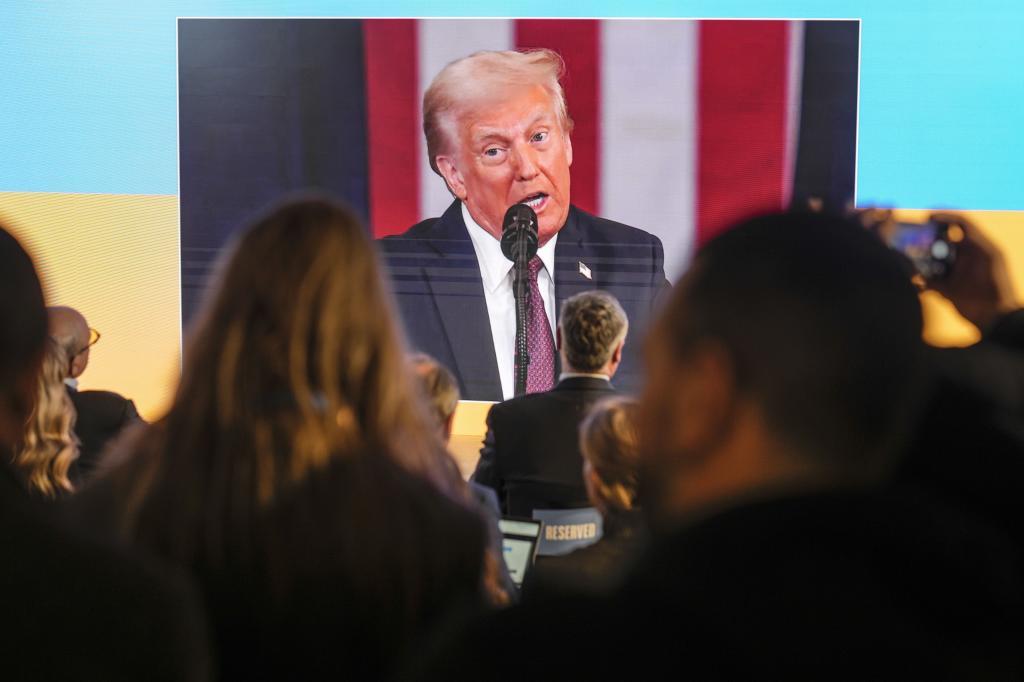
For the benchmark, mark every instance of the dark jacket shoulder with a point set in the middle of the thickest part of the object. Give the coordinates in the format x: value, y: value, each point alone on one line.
x: 598, y: 229
x: 420, y: 230
x: 78, y: 607
x: 367, y: 558
x: 103, y: 403
x: 572, y: 389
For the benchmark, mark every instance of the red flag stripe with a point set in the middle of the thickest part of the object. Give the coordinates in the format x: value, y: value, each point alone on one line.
x: 578, y: 41
x: 390, y: 47
x: 741, y: 121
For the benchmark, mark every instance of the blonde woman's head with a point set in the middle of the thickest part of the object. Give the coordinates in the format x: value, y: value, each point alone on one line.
x: 608, y: 441
x: 49, y: 445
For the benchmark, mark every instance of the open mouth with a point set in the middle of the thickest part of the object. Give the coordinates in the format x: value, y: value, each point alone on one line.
x: 535, y: 201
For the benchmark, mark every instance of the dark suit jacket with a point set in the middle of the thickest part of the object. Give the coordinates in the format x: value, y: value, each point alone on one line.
x: 531, y: 454
x: 81, y: 610
x: 102, y: 415
x: 440, y: 293
x: 830, y: 586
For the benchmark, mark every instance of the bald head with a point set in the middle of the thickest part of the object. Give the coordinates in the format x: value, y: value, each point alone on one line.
x: 70, y: 329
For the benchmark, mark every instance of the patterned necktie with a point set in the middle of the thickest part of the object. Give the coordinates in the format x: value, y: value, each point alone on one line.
x: 540, y: 374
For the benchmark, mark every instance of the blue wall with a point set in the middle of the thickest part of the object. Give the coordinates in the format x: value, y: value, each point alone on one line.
x: 89, y: 105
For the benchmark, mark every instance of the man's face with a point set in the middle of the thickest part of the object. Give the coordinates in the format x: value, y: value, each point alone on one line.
x: 511, y: 151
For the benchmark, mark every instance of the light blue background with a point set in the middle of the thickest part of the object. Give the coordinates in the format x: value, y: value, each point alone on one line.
x: 87, y: 89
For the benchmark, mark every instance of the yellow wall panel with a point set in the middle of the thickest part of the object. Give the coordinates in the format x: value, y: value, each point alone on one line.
x: 115, y: 258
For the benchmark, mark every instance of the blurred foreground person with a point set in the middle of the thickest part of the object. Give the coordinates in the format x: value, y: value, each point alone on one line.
x: 102, y: 415
x: 969, y: 449
x: 441, y: 391
x: 72, y: 610
x: 49, y: 446
x: 296, y: 475
x: 782, y: 381
x: 608, y: 441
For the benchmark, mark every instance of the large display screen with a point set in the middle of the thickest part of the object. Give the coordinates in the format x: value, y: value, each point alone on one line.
x: 677, y: 128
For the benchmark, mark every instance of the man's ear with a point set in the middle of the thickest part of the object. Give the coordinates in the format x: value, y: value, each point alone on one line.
x: 78, y: 364
x: 617, y: 353
x: 568, y: 148
x: 451, y: 176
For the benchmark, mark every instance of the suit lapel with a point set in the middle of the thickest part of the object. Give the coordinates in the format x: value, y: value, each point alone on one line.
x: 571, y: 262
x: 458, y: 293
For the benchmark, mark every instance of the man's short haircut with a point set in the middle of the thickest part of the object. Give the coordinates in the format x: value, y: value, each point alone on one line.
x: 22, y: 313
x: 465, y: 83
x: 823, y: 327
x: 439, y: 386
x: 593, y: 324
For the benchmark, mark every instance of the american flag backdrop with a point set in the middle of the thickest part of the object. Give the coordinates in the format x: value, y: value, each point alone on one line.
x: 681, y: 126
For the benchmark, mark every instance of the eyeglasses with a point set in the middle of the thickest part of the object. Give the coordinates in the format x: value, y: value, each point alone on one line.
x: 94, y: 336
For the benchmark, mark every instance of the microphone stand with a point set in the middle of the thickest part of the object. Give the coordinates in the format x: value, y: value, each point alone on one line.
x: 521, y: 291
x: 519, y: 245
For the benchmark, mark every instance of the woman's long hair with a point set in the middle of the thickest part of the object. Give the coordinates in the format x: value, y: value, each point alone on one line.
x: 49, y: 445
x: 294, y: 360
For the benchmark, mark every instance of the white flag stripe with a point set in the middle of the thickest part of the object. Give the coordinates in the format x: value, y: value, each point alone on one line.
x: 794, y: 92
x: 648, y: 131
x: 442, y: 41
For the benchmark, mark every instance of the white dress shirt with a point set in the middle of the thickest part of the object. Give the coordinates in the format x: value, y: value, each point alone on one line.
x: 589, y: 375
x: 496, y: 273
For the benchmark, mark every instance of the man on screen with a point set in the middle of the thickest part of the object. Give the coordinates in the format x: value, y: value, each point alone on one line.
x: 498, y: 133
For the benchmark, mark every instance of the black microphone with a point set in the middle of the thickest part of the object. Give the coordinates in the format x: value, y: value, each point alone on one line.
x: 519, y: 234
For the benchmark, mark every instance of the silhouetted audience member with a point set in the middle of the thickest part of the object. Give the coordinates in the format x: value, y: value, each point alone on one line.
x: 72, y: 610
x: 980, y: 289
x: 531, y: 456
x: 441, y: 391
x: 969, y: 449
x: 102, y: 415
x: 49, y: 447
x: 296, y: 473
x: 608, y: 441
x: 782, y: 379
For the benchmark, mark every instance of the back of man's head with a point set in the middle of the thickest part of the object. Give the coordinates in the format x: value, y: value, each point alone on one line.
x: 593, y: 327
x: 70, y: 330
x: 822, y: 330
x: 22, y: 330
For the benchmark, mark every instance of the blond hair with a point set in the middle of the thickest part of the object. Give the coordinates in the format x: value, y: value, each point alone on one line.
x: 440, y: 389
x: 465, y: 83
x: 49, y: 445
x: 608, y: 441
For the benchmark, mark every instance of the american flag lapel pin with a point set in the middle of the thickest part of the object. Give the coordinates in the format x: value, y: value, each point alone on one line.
x: 585, y: 271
